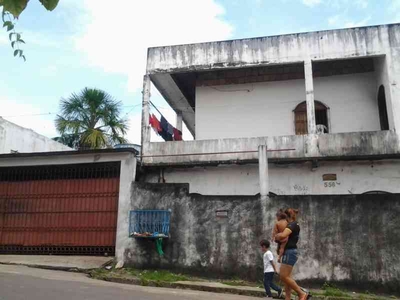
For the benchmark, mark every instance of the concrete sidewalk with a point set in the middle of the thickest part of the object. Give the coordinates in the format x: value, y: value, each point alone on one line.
x: 219, y: 287
x: 55, y: 262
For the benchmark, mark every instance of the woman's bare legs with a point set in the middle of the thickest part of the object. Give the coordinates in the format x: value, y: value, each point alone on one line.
x: 288, y: 292
x: 285, y: 273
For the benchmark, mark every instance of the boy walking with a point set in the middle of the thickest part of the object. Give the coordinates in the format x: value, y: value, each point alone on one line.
x: 269, y: 269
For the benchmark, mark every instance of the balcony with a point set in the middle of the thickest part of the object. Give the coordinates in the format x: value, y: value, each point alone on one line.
x: 340, y: 146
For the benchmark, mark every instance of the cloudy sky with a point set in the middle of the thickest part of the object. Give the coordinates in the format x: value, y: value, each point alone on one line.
x: 91, y: 43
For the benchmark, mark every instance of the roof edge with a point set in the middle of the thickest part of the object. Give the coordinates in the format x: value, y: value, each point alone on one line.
x: 276, y: 35
x: 68, y: 153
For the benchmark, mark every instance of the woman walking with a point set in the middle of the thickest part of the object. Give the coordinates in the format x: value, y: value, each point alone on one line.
x: 289, y: 259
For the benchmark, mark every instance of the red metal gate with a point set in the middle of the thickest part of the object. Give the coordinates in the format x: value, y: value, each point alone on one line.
x: 63, y: 209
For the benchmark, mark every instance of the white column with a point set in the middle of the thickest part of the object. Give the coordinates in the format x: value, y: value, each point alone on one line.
x: 308, y: 74
x: 145, y: 112
x: 179, y: 120
x: 127, y: 177
x: 263, y: 170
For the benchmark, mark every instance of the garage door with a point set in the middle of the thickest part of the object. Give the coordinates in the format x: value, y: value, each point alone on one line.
x: 63, y: 209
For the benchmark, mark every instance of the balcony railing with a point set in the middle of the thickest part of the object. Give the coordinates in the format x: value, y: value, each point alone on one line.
x: 358, y: 145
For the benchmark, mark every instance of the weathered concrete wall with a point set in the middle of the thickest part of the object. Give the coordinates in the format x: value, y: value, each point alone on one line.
x: 349, y: 239
x: 290, y: 48
x: 16, y: 138
x: 266, y: 109
x: 352, y: 177
x: 360, y: 145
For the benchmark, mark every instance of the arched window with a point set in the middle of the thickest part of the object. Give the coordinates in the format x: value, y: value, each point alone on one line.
x: 300, y: 117
x: 383, y: 117
x: 376, y: 192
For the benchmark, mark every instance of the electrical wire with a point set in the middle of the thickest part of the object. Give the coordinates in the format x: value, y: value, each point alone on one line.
x: 55, y: 113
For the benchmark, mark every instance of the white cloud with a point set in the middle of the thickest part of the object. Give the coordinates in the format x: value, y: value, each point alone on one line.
x: 394, y: 9
x: 3, y: 38
x: 337, y: 4
x: 311, y: 3
x: 117, y: 40
x: 362, y: 3
x: 395, y: 4
x: 341, y: 21
x: 363, y: 22
x: 28, y: 116
x: 40, y: 39
x: 334, y: 19
x: 48, y: 71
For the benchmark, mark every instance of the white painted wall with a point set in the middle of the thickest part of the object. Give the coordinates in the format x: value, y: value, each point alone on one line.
x: 247, y: 110
x: 354, y: 177
x: 266, y: 109
x: 352, y: 101
x: 17, y: 138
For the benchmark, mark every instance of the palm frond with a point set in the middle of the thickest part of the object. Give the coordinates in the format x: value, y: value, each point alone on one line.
x: 94, y: 114
x: 70, y: 140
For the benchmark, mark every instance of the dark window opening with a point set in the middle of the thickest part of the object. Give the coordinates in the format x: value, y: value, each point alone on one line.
x: 321, y: 118
x: 376, y: 193
x: 383, y: 117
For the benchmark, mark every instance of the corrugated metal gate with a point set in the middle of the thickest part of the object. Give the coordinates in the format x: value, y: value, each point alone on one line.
x: 63, y: 209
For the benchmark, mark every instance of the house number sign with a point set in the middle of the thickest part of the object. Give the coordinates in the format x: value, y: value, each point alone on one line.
x: 221, y: 213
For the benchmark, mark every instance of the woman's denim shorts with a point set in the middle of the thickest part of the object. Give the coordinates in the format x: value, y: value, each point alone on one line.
x: 289, y: 257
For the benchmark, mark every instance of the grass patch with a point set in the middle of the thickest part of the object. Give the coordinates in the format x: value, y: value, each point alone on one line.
x: 143, y: 275
x: 235, y: 282
x: 369, y: 296
x: 331, y: 290
x: 335, y: 292
x: 162, y: 275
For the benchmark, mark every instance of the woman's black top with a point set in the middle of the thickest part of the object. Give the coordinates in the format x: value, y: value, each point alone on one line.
x: 294, y: 236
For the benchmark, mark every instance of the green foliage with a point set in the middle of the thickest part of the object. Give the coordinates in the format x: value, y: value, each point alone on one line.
x: 144, y: 275
x: 11, y: 11
x: 90, y: 120
x: 49, y: 4
x: 70, y: 140
x: 330, y: 290
x: 14, y: 7
x: 162, y: 275
x: 14, y: 37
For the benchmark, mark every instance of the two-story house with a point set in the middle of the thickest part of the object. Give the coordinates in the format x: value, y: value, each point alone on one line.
x: 310, y: 119
x: 326, y: 105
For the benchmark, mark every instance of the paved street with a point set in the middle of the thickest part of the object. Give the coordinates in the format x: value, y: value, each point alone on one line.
x: 19, y: 282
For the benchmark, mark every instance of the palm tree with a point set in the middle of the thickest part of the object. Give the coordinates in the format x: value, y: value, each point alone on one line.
x: 90, y: 120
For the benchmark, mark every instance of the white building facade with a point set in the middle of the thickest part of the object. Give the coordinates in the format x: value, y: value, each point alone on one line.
x: 326, y: 105
x: 14, y: 138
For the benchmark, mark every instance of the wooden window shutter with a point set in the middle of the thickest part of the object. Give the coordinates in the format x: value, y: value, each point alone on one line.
x: 301, y: 122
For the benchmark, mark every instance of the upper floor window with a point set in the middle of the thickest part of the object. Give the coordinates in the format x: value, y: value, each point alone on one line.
x: 383, y: 116
x: 321, y: 118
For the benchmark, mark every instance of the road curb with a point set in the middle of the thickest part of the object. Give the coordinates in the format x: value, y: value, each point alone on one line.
x: 220, y: 290
x: 176, y: 285
x: 53, y: 268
